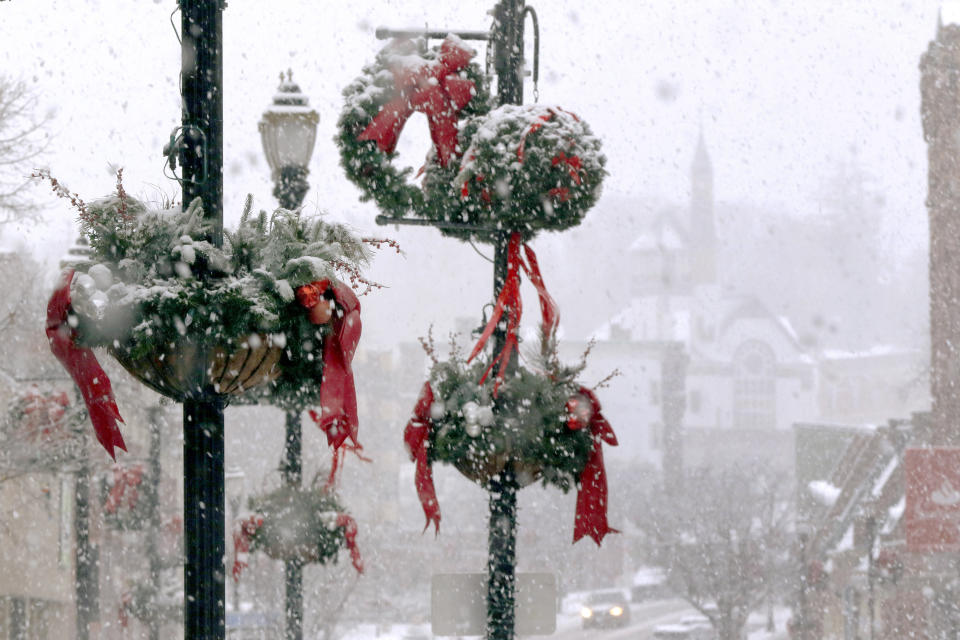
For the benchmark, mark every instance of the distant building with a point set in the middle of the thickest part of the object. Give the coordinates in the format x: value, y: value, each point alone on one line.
x: 747, y: 376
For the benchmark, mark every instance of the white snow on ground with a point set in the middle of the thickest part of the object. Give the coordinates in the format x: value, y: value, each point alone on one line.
x: 757, y: 622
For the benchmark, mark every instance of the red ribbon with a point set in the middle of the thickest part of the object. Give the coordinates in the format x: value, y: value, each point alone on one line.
x: 338, y: 393
x: 416, y: 435
x: 83, y: 367
x: 571, y: 161
x: 124, y: 480
x: 350, y: 535
x: 591, y: 514
x: 242, y: 539
x: 435, y: 89
x: 338, y: 456
x: 509, y: 302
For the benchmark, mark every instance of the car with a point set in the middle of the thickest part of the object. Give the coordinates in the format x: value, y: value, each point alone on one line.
x: 605, y: 609
x: 691, y: 629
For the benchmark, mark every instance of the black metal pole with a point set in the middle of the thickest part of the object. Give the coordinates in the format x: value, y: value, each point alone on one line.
x: 507, y: 40
x: 203, y: 510
x: 292, y: 569
x: 290, y: 189
x: 87, y: 579
x: 502, y: 540
x: 154, y: 519
x: 202, y: 160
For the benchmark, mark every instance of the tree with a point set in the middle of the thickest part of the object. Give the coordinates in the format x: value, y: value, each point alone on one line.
x: 723, y: 540
x: 22, y: 139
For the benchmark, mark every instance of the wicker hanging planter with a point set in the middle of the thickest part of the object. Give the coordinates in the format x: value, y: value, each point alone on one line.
x: 178, y: 371
x: 481, y: 468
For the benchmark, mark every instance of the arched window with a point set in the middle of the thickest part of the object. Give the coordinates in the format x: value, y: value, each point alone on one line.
x: 754, y: 387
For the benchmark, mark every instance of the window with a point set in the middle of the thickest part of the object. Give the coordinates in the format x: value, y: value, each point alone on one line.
x: 695, y: 401
x: 754, y: 387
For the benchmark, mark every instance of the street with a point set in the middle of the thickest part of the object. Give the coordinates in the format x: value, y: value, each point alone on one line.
x: 644, y: 617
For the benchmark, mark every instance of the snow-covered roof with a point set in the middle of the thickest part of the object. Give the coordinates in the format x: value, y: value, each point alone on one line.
x: 885, y: 476
x: 846, y: 542
x: 872, y: 352
x: 824, y: 492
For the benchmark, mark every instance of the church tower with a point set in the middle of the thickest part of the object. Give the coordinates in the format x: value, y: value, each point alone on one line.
x: 703, y: 234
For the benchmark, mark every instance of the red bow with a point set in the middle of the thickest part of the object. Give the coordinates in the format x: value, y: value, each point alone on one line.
x: 242, y: 539
x: 124, y: 479
x: 509, y: 301
x: 435, y: 89
x: 83, y: 367
x: 591, y: 515
x: 416, y: 435
x: 571, y: 161
x: 350, y: 535
x: 338, y: 393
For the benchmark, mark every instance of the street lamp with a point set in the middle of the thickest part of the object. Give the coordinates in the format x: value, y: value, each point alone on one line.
x: 288, y: 132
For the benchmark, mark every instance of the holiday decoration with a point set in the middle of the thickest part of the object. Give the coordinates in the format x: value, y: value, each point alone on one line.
x: 266, y: 310
x: 528, y: 168
x: 408, y: 77
x: 540, y: 422
x: 293, y: 524
x: 38, y: 417
x: 122, y: 507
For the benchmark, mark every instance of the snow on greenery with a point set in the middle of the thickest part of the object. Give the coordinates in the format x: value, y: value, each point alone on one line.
x: 527, y: 168
x: 371, y: 169
x: 517, y: 168
x: 528, y: 425
x: 154, y: 277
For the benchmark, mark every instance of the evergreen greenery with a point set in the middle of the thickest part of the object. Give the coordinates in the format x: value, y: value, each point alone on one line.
x: 298, y: 524
x: 529, y: 425
x: 154, y: 281
x: 522, y: 168
x: 371, y: 169
x: 528, y: 168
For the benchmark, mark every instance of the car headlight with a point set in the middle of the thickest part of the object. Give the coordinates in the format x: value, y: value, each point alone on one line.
x: 586, y: 612
x: 616, y: 611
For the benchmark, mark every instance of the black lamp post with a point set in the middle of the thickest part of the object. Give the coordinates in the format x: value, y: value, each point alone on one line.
x: 202, y: 160
x: 288, y: 132
x: 506, y: 39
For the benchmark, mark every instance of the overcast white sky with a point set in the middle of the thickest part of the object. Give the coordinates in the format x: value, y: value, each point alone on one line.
x: 784, y: 91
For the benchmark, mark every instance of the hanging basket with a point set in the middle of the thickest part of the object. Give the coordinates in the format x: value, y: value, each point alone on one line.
x: 178, y: 371
x: 525, y: 426
x: 299, y: 525
x: 483, y: 468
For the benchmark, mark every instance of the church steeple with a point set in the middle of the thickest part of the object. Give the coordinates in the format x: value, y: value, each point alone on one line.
x: 703, y: 235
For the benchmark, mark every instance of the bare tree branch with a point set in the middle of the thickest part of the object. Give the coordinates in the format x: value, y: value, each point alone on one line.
x: 23, y: 139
